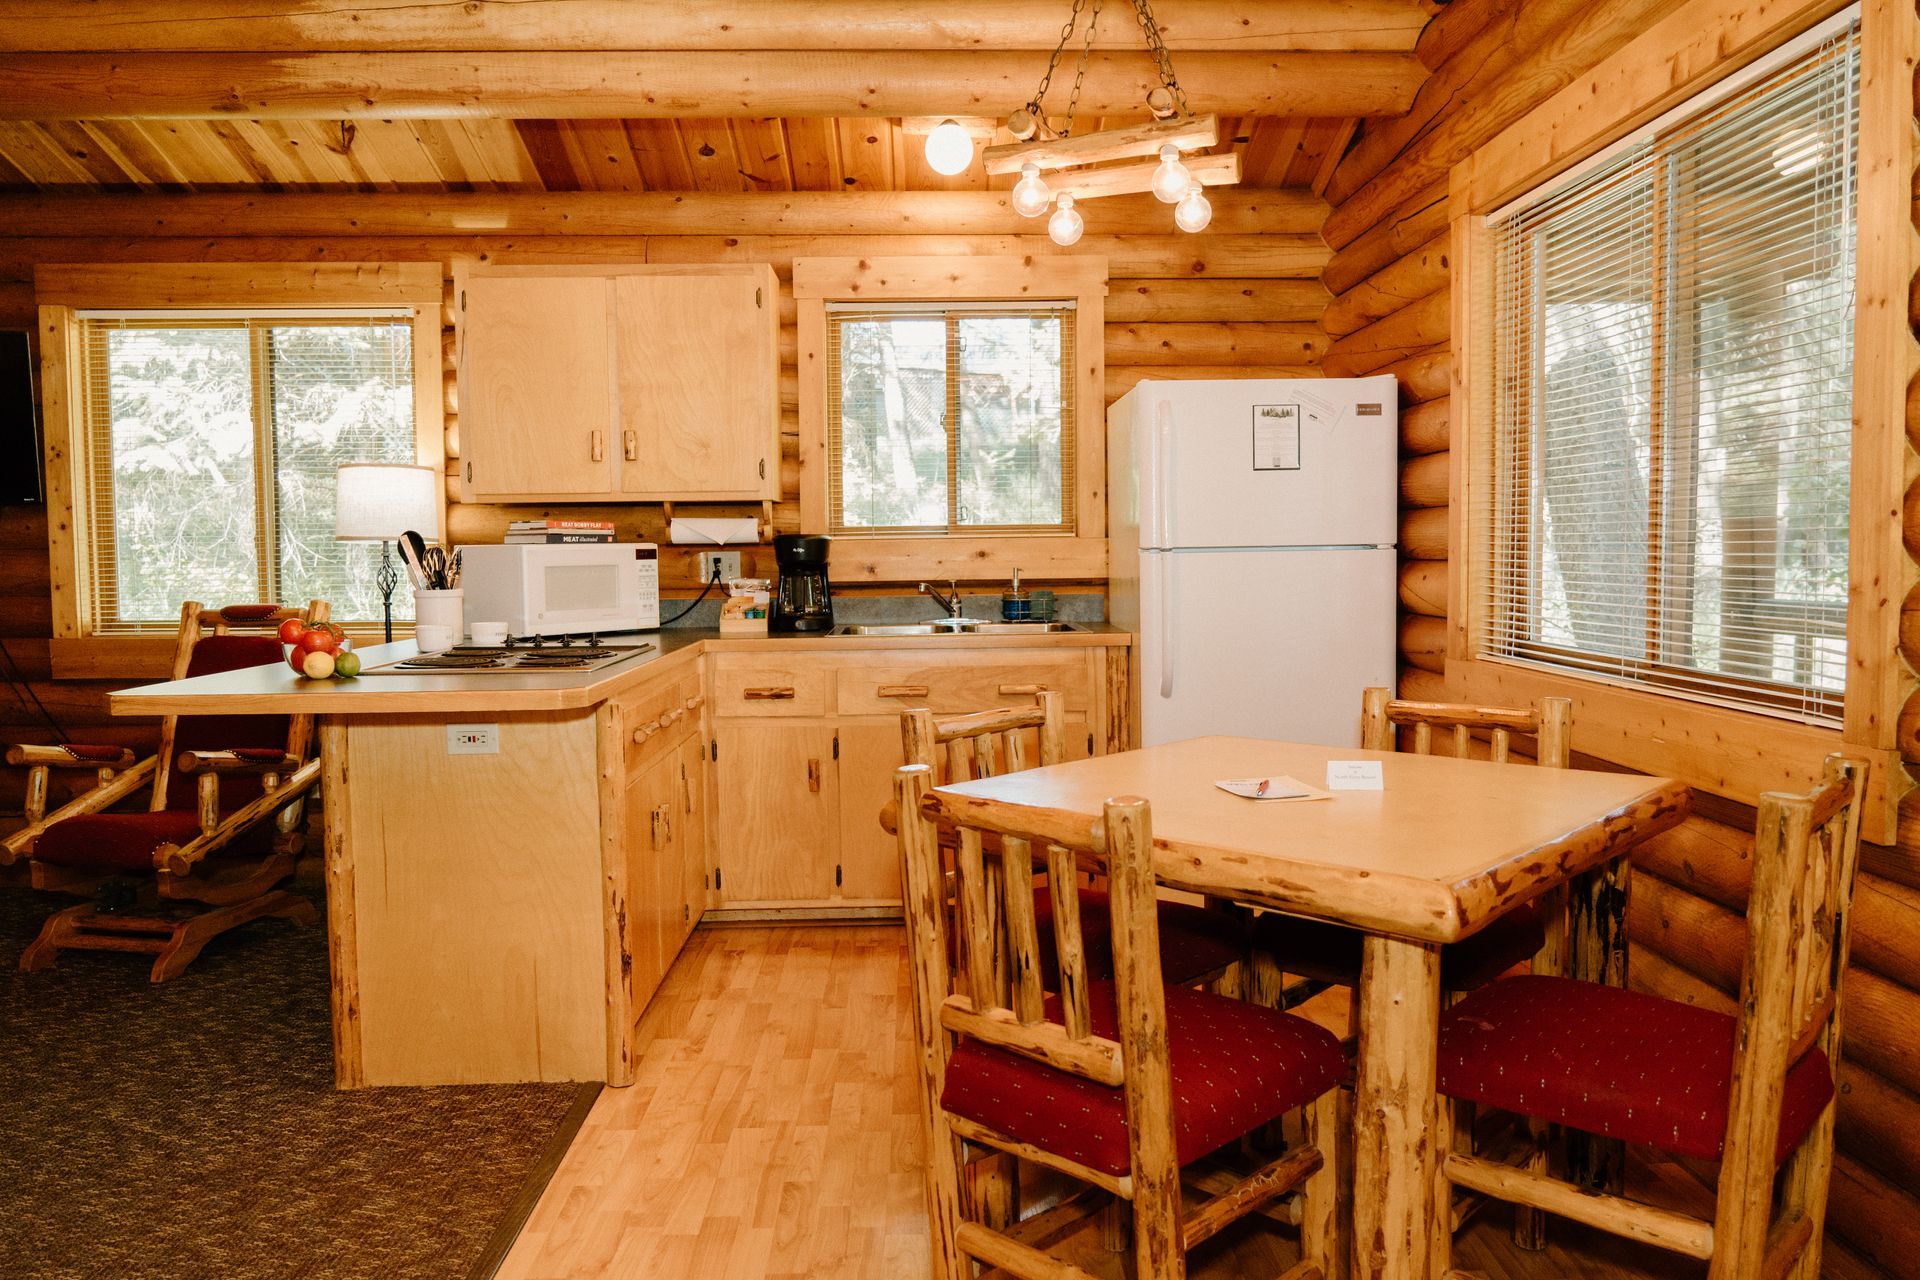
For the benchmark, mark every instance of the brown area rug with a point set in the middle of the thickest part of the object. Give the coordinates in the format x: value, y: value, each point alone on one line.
x: 192, y: 1129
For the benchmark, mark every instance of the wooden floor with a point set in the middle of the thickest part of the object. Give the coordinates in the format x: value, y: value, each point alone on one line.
x: 772, y: 1133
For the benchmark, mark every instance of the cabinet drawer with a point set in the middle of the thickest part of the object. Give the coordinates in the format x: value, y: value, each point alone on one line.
x: 657, y: 716
x: 770, y: 689
x: 887, y: 690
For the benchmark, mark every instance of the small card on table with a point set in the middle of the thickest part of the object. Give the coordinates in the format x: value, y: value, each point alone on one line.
x: 1355, y: 775
x: 1277, y: 787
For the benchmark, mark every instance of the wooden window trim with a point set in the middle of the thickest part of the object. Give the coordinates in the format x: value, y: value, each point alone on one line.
x: 968, y: 557
x: 62, y: 291
x: 1735, y: 754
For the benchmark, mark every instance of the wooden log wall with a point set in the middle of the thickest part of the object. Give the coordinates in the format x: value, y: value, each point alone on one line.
x: 1241, y: 300
x: 1491, y: 61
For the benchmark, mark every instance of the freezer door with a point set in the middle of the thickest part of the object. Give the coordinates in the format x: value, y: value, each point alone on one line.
x: 1263, y: 644
x: 1267, y: 462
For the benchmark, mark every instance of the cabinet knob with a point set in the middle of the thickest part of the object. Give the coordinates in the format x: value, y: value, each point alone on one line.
x: 631, y: 443
x: 596, y: 446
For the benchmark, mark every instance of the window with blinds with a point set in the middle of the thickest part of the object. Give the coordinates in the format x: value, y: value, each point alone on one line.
x: 1673, y: 355
x: 211, y: 446
x: 950, y: 418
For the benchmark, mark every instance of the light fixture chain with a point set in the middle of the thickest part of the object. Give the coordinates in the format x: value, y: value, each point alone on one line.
x: 1080, y: 72
x: 1163, y: 60
x: 1066, y: 34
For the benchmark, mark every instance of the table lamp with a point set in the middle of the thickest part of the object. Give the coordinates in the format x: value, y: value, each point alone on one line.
x: 379, y: 501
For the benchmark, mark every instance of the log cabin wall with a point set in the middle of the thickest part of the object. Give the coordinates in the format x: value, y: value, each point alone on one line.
x: 1389, y: 276
x: 1241, y: 300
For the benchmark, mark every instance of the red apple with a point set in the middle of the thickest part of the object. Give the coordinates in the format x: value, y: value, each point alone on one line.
x: 291, y: 630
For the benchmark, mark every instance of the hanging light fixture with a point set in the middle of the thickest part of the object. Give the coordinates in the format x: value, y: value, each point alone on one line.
x: 1066, y: 224
x: 1194, y: 212
x: 949, y: 148
x: 1031, y: 195
x: 1167, y: 154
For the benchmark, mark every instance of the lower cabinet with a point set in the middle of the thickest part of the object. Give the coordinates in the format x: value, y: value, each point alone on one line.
x: 806, y: 746
x: 656, y: 872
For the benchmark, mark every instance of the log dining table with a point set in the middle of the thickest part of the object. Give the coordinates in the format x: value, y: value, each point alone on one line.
x: 1444, y: 847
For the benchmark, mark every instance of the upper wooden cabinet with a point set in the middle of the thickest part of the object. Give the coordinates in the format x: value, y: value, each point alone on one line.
x: 643, y: 383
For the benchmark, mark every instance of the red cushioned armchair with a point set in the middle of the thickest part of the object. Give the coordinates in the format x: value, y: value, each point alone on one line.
x: 222, y: 828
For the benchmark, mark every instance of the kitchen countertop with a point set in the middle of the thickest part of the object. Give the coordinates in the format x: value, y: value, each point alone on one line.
x: 275, y: 689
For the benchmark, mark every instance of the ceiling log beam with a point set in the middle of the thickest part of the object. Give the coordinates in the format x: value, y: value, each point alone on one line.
x: 157, y: 26
x: 335, y: 86
x: 1293, y: 211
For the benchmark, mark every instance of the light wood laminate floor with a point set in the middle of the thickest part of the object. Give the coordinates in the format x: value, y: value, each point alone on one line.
x: 772, y: 1133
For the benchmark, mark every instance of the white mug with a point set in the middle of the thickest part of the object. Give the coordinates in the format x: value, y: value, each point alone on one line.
x: 431, y: 637
x: 488, y: 633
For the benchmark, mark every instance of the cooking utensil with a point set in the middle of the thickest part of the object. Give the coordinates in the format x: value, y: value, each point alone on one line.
x: 413, y: 554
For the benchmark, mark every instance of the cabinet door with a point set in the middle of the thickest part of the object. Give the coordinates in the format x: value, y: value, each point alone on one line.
x: 655, y: 898
x: 699, y: 386
x: 536, y: 386
x: 693, y: 832
x: 776, y: 784
x: 870, y: 752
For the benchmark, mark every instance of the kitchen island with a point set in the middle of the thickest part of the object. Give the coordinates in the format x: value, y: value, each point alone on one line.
x: 513, y: 861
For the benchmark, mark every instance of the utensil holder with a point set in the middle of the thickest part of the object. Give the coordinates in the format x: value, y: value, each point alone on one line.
x: 445, y: 608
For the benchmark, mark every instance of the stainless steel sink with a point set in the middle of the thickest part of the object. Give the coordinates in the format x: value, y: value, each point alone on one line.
x: 957, y: 627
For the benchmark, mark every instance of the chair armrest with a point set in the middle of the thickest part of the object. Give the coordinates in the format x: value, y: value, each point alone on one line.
x: 240, y: 760
x: 75, y: 755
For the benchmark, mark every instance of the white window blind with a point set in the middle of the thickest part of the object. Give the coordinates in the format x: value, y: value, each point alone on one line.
x: 1673, y: 355
x: 950, y: 417
x: 211, y: 444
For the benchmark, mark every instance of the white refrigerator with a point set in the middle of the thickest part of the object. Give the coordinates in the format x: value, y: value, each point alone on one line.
x: 1251, y: 527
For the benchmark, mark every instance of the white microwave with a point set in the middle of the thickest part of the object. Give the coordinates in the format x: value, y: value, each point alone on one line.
x: 557, y: 589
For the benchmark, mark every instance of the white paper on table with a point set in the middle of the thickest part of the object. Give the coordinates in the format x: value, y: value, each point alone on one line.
x: 713, y: 531
x: 1277, y: 787
x: 1355, y: 775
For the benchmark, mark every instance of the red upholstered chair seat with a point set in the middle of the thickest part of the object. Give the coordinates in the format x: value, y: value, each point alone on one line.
x: 1331, y: 953
x: 1194, y: 941
x: 1616, y: 1063
x: 126, y: 841
x: 1235, y: 1066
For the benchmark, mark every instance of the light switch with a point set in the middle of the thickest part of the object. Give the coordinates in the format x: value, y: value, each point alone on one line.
x: 473, y: 739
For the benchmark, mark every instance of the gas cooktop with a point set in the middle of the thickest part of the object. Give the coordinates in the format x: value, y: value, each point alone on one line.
x: 517, y: 657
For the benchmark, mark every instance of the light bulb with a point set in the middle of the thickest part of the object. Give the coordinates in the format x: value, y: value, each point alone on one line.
x: 1031, y: 196
x: 1193, y: 213
x: 949, y: 148
x: 1066, y: 224
x: 1171, y: 179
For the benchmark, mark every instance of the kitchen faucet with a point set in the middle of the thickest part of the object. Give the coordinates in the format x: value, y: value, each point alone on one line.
x: 950, y: 600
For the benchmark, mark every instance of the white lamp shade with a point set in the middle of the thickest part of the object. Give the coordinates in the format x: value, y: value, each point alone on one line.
x: 379, y: 501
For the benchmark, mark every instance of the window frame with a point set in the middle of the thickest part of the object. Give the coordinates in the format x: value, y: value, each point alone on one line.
x: 64, y: 291
x: 973, y: 554
x: 1734, y: 753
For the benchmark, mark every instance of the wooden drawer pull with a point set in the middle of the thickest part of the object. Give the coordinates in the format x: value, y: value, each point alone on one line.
x: 813, y: 776
x: 631, y: 441
x: 697, y: 701
x: 781, y: 693
x: 1023, y: 688
x: 903, y: 691
x: 596, y: 448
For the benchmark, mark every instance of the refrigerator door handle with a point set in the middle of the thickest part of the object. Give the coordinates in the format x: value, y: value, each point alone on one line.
x: 1164, y: 561
x: 1163, y: 473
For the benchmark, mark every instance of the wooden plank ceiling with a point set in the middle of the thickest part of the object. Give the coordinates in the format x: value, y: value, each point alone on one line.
x: 478, y: 154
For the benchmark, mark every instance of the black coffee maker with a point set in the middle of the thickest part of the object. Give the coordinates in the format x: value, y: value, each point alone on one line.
x: 803, y: 600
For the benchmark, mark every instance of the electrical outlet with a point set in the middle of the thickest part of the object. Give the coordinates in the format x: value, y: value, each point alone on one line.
x: 729, y: 562
x: 473, y: 739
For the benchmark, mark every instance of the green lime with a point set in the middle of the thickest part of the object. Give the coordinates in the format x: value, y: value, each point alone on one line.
x: 346, y: 665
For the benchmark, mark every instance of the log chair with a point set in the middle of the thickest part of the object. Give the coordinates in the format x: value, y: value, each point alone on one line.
x: 215, y: 782
x: 1127, y: 1086
x: 1755, y: 1091
x: 1533, y: 933
x: 1197, y: 945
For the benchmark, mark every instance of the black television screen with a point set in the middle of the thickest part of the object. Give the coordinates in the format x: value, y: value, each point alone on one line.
x: 19, y: 422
